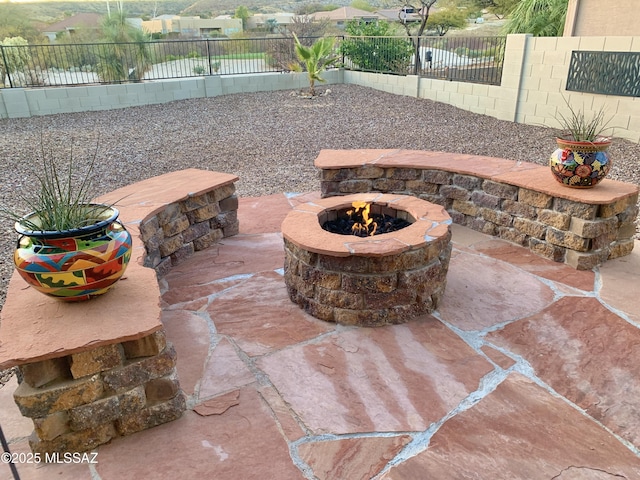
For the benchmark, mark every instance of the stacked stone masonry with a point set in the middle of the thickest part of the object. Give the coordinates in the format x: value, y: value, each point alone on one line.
x: 80, y: 401
x: 372, y: 280
x: 582, y: 229
x: 188, y: 226
x: 115, y: 380
x: 368, y: 291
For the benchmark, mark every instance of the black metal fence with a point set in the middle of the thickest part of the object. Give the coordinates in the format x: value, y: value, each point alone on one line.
x: 468, y: 59
x: 476, y: 59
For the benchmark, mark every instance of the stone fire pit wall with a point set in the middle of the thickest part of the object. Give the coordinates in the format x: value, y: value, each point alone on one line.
x: 517, y: 201
x: 96, y: 370
x: 367, y: 281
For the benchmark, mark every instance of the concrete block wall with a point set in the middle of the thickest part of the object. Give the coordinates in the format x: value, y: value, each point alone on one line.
x: 584, y: 17
x: 27, y: 102
x: 496, y: 101
x: 493, y: 100
x: 396, y: 84
x: 229, y: 84
x: 533, y: 84
x: 542, y: 91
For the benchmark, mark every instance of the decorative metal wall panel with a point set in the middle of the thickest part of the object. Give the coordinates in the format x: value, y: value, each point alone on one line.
x: 609, y: 73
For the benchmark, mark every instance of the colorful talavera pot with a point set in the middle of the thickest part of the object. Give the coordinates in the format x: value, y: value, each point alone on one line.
x: 76, y: 264
x: 580, y: 164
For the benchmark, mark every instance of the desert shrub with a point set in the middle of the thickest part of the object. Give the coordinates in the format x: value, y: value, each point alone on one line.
x: 370, y: 48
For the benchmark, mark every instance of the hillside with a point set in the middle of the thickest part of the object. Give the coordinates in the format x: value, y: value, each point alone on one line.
x: 53, y: 11
x: 40, y: 13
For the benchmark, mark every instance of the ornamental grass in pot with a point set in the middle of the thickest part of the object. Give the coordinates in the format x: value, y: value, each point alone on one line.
x: 68, y: 247
x: 581, y: 159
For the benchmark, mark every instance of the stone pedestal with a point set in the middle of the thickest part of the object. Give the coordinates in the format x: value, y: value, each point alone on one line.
x: 82, y: 400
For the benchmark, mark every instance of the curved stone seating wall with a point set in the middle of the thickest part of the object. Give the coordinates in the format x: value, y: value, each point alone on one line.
x: 96, y: 370
x: 184, y: 227
x: 516, y: 201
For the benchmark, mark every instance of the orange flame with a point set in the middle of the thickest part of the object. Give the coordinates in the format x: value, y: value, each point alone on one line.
x: 365, y: 224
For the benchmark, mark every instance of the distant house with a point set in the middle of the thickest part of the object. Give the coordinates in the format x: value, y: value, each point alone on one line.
x: 405, y: 14
x: 342, y: 15
x: 193, y: 26
x: 263, y: 20
x: 84, y: 21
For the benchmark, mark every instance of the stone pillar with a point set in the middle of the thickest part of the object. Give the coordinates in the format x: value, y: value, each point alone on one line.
x: 83, y: 400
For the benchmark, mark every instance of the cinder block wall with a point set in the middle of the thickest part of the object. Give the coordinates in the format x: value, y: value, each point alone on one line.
x: 544, y: 77
x: 533, y: 84
x: 27, y: 102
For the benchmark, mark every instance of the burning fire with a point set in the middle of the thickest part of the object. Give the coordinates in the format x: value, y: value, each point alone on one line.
x: 363, y: 224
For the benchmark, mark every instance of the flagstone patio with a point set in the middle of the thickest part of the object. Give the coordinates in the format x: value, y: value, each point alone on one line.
x: 529, y: 369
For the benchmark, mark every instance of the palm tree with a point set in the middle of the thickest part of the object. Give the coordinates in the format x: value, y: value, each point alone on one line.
x: 542, y: 18
x: 125, y: 55
x: 316, y: 58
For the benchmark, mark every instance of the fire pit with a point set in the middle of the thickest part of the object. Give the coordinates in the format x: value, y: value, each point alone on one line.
x: 371, y: 280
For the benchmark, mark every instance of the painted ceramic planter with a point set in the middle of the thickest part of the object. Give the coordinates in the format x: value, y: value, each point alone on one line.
x: 76, y: 264
x: 580, y: 164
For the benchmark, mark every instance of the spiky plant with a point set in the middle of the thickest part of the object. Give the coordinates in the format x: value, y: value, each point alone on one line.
x: 316, y: 59
x: 59, y: 203
x: 579, y: 128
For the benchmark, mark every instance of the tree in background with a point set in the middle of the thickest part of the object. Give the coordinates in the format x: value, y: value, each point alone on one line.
x: 542, y: 18
x: 126, y: 55
x: 383, y: 54
x: 500, y: 8
x: 69, y: 52
x: 15, y: 54
x: 422, y: 8
x: 243, y: 14
x: 306, y: 28
x: 447, y: 18
x: 281, y: 52
x: 271, y: 25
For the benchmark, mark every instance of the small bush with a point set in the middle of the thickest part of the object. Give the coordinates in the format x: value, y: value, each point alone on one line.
x: 198, y: 70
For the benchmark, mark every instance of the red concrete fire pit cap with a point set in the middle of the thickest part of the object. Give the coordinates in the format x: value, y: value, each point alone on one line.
x: 303, y: 228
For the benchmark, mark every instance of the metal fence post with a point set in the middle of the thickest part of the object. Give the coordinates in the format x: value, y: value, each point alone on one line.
x: 5, y: 376
x: 416, y: 67
x: 5, y: 448
x: 209, y: 57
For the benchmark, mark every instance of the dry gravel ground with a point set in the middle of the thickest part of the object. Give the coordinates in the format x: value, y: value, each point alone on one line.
x: 269, y: 140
